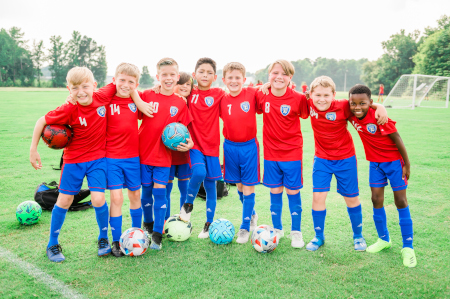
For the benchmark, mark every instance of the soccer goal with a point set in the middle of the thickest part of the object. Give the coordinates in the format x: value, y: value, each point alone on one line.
x: 412, y: 91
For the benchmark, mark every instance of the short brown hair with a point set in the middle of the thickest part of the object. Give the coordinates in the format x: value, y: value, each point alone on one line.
x: 185, y: 77
x: 288, y: 68
x: 128, y: 69
x: 323, y: 81
x: 205, y: 60
x: 234, y: 66
x: 78, y: 75
x: 166, y: 61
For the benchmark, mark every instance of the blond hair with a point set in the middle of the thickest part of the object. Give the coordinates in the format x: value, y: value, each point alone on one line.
x: 166, y: 61
x: 129, y: 70
x: 234, y: 66
x: 78, y: 75
x: 323, y: 81
x: 288, y: 68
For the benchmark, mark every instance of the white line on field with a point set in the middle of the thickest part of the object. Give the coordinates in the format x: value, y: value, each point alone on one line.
x: 39, y: 275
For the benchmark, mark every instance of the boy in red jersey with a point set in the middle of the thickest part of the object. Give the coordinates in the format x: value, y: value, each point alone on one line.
x: 155, y: 158
x: 84, y: 156
x: 388, y: 158
x: 240, y: 148
x: 334, y: 154
x: 380, y: 93
x: 304, y: 87
x: 283, y: 146
x: 204, y: 105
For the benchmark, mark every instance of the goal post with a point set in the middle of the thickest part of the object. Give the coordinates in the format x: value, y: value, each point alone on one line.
x: 411, y: 91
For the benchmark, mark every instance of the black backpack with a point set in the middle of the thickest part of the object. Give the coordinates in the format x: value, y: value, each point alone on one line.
x: 47, y: 194
x: 221, y: 187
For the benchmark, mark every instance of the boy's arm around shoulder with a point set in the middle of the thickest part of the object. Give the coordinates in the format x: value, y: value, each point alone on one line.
x: 35, y: 158
x: 145, y: 108
x: 106, y: 93
x: 303, y: 104
x: 380, y: 113
x: 402, y: 149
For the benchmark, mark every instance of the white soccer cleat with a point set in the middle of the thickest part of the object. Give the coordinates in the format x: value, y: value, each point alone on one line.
x: 297, y: 239
x: 243, y: 236
x: 205, y: 232
x: 253, y: 222
x: 279, y: 232
x: 186, y: 211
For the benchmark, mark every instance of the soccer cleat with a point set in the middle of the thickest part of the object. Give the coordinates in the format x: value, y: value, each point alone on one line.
x: 243, y: 235
x: 409, y: 257
x: 379, y: 245
x: 54, y: 254
x: 297, y: 239
x: 360, y: 244
x: 253, y: 222
x: 315, y: 244
x: 279, y: 232
x: 185, y: 212
x: 148, y: 228
x: 156, y: 241
x: 116, y: 249
x: 103, y: 247
x: 205, y: 232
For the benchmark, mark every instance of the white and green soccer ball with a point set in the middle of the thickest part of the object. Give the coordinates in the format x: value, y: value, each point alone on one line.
x: 176, y: 229
x: 28, y: 212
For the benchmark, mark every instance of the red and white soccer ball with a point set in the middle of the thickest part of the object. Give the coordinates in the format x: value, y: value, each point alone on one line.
x: 134, y: 242
x: 264, y: 239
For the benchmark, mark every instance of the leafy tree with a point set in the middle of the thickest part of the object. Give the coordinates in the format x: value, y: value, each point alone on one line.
x: 38, y: 57
x: 6, y: 61
x: 433, y: 57
x: 99, y: 66
x: 146, y: 80
x: 58, y: 61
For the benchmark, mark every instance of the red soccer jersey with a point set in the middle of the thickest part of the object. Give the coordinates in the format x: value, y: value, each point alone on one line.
x: 204, y: 107
x: 304, y: 88
x: 180, y: 158
x: 88, y: 124
x: 332, y: 139
x: 122, y: 138
x: 166, y: 110
x: 378, y: 146
x: 239, y: 115
x: 282, y: 135
x: 381, y: 89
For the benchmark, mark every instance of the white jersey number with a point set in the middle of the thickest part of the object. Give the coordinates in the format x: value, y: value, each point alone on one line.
x: 229, y: 109
x: 155, y: 106
x: 195, y: 98
x: 313, y: 113
x: 267, y: 107
x: 114, y: 108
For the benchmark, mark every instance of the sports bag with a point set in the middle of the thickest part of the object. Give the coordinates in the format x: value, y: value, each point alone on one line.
x: 47, y: 194
x: 221, y: 187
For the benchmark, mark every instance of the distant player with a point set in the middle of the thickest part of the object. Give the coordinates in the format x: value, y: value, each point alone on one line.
x: 293, y: 85
x: 260, y: 83
x: 251, y: 84
x: 380, y: 93
x: 304, y: 87
x: 388, y: 158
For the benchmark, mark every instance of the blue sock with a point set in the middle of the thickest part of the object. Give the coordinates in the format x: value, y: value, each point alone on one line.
x: 276, y: 207
x: 136, y: 217
x: 147, y: 203
x: 249, y: 204
x: 102, y: 215
x: 198, y: 175
x: 58, y: 216
x: 406, y: 226
x: 159, y: 208
x: 355, y: 215
x: 183, y: 186
x: 211, y: 199
x: 241, y: 198
x: 379, y: 217
x: 168, y: 192
x: 295, y: 207
x: 116, y: 227
x: 319, y: 223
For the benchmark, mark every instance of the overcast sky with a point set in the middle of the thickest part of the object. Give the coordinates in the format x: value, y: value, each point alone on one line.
x: 251, y: 32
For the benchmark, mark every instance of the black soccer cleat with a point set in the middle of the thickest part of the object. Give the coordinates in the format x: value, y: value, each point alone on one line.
x: 156, y: 241
x: 116, y: 249
x: 54, y: 253
x: 204, y: 234
x: 148, y: 228
x: 103, y: 247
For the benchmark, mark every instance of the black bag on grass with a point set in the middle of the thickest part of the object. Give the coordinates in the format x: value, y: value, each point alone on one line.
x: 221, y: 187
x: 47, y: 194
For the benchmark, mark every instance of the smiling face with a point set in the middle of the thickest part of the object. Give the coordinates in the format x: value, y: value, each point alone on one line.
x: 322, y: 97
x: 82, y: 93
x: 278, y: 78
x: 168, y: 76
x: 205, y: 76
x: 360, y: 104
x: 125, y: 85
x: 234, y: 80
x: 184, y: 89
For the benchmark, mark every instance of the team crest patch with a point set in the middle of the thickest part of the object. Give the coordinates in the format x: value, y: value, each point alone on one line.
x: 245, y: 106
x: 209, y: 101
x: 173, y: 111
x: 101, y: 111
x: 331, y: 116
x: 132, y: 107
x: 371, y: 128
x: 285, y: 109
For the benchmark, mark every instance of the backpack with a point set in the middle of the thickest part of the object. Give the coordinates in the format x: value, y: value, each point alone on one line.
x: 47, y: 194
x: 221, y: 187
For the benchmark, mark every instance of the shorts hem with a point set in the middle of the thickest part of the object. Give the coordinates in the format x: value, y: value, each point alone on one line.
x: 351, y: 195
x: 321, y: 189
x: 217, y: 178
x: 251, y: 184
x: 294, y: 188
x: 68, y: 192
x: 399, y: 188
x: 97, y: 189
x: 378, y: 185
x: 273, y: 185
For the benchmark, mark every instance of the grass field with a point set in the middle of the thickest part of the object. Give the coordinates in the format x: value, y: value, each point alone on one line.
x: 198, y: 268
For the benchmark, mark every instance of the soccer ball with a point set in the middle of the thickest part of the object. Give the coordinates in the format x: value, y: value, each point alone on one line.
x: 57, y: 136
x: 264, y: 239
x: 173, y: 134
x: 134, y: 242
x: 176, y: 229
x: 221, y: 231
x: 28, y: 212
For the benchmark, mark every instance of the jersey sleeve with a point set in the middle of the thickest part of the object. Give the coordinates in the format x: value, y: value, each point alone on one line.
x: 388, y: 128
x: 303, y: 105
x: 345, y: 106
x: 106, y: 93
x: 259, y: 100
x: 60, y: 116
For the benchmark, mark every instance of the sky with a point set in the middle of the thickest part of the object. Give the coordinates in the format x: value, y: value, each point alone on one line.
x: 254, y: 33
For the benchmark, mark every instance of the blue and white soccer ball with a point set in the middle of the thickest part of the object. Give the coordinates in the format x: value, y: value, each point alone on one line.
x: 221, y: 231
x: 173, y: 134
x: 134, y: 242
x: 264, y: 239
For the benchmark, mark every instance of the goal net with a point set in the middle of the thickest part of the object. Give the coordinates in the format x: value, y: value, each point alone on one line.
x: 412, y: 91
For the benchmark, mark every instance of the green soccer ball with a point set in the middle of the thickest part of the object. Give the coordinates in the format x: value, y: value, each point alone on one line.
x: 176, y: 229
x: 28, y: 212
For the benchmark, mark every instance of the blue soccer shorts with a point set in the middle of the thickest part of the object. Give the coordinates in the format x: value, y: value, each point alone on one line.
x: 283, y: 173
x: 211, y: 164
x: 72, y: 175
x: 381, y: 172
x: 154, y: 174
x: 241, y: 162
x: 345, y: 171
x: 182, y: 172
x: 123, y: 173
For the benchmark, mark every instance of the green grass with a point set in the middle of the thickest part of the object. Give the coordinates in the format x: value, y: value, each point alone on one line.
x: 198, y: 268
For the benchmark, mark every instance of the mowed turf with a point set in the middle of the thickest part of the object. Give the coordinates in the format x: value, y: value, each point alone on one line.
x: 198, y: 268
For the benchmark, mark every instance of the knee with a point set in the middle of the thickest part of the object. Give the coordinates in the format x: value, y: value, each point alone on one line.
x: 377, y: 200
x: 134, y: 195
x: 401, y: 202
x: 199, y: 173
